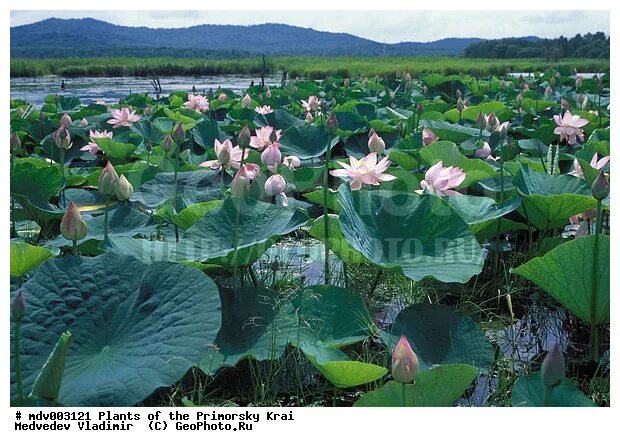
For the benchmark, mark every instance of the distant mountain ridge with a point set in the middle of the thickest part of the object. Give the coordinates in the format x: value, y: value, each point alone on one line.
x: 91, y: 38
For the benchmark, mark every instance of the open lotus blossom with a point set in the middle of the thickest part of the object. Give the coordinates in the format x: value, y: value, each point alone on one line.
x: 428, y: 137
x: 197, y: 102
x: 442, y: 181
x: 291, y: 162
x: 92, y: 147
x: 123, y: 118
x: 225, y: 152
x: 243, y: 178
x: 595, y: 163
x: 312, y: 104
x: 485, y: 152
x: 365, y: 171
x: 264, y: 137
x: 569, y: 127
x: 264, y: 110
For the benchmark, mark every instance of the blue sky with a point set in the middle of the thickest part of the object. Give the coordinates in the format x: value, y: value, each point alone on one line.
x: 381, y: 26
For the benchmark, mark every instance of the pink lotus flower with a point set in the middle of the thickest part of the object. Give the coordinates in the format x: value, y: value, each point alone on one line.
x: 264, y: 110
x: 243, y: 178
x: 428, y: 137
x: 108, y: 180
x: 246, y: 101
x: 548, y: 91
x: 84, y: 122
x: 92, y: 147
x: 291, y: 162
x: 275, y: 185
x: 405, y: 364
x: 364, y: 172
x: 123, y: 118
x: 442, y: 181
x: 72, y: 227
x: 569, y: 127
x: 309, y: 118
x: 485, y: 152
x: 264, y: 137
x: 272, y: 155
x: 197, y: 102
x: 222, y: 97
x: 65, y: 120
x: 224, y: 152
x: 312, y: 104
x: 376, y: 143
x: 595, y: 163
x: 63, y: 138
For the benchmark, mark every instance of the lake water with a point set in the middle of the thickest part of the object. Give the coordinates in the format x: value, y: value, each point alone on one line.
x: 111, y: 89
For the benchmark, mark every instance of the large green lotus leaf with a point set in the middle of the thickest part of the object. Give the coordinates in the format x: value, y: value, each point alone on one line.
x: 279, y: 119
x: 148, y: 131
x: 420, y: 235
x: 500, y: 109
x: 190, y: 215
x: 302, y: 179
x: 205, y: 132
x: 476, y: 209
x: 566, y: 274
x: 25, y: 257
x: 136, y: 327
x: 336, y: 242
x: 123, y: 220
x: 331, y: 317
x: 193, y: 187
x: 451, y: 132
x: 116, y: 151
x: 349, y: 373
x: 549, y: 200
x: 255, y: 324
x: 259, y: 223
x: 350, y: 123
x: 317, y: 197
x: 439, y: 335
x: 437, y: 387
x: 449, y: 154
x: 304, y: 141
x: 34, y: 186
x: 529, y: 391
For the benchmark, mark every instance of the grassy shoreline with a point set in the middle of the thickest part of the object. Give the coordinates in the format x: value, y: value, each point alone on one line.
x: 312, y: 67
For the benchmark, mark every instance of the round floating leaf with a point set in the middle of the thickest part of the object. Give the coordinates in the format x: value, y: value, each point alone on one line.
x: 25, y: 257
x: 440, y: 335
x: 193, y: 187
x: 529, y: 391
x: 566, y: 274
x: 437, y: 387
x: 420, y: 235
x: 135, y: 327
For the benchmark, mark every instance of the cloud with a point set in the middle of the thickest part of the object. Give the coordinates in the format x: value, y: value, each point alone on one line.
x: 381, y: 26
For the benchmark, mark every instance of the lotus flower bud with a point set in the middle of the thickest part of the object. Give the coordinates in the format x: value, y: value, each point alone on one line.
x: 484, y: 151
x: 599, y: 84
x: 492, y: 122
x: 600, y: 187
x: 553, y: 368
x: 18, y: 307
x: 460, y: 105
x: 458, y: 94
x: 578, y: 82
x: 481, y: 121
x: 428, y: 136
x: 552, y: 82
x: 405, y: 363
x: 84, y: 122
x: 108, y: 180
x: 419, y: 109
x: 267, y: 92
x: 558, y: 75
x: 309, y: 117
x: 275, y: 185
x: 425, y: 89
x: 240, y: 183
x: 222, y: 97
x: 65, y: 120
x: 407, y: 76
x: 331, y: 125
x: 72, y: 227
x: 291, y: 161
x: 244, y: 137
x: 63, y: 138
x: 246, y: 101
x: 376, y: 143
x: 271, y: 155
x: 548, y: 91
x: 15, y: 141
x: 148, y: 111
x: 564, y: 103
x: 124, y: 189
x: 168, y: 143
x: 178, y: 135
x: 346, y: 82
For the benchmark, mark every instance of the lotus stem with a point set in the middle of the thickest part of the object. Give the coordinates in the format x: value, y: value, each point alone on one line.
x: 326, y: 210
x: 593, y: 327
x: 235, y: 239
x: 499, y: 220
x: 375, y: 283
x: 105, y: 220
x: 175, y: 194
x: 18, y: 363
x: 75, y: 251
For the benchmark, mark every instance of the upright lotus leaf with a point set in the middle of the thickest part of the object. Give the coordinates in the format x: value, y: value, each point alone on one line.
x: 437, y: 387
x: 316, y: 196
x: 549, y: 200
x: 350, y: 123
x: 135, y: 327
x: 279, y: 119
x: 193, y: 187
x: 304, y: 141
x: 190, y: 215
x: 448, y: 153
x: 476, y: 209
x: 115, y: 151
x: 256, y: 323
x: 439, y: 335
x: 346, y: 373
x: 48, y: 382
x: 337, y: 242
x: 501, y: 110
x: 529, y: 391
x: 205, y: 132
x: 34, y: 186
x: 566, y: 274
x: 418, y: 235
x: 148, y: 131
x: 451, y: 132
x: 259, y: 225
x: 25, y: 257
